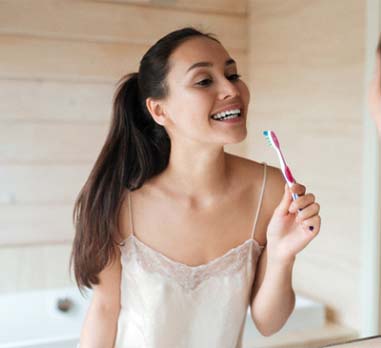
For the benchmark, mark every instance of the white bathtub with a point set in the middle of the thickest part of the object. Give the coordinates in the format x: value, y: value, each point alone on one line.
x: 32, y: 319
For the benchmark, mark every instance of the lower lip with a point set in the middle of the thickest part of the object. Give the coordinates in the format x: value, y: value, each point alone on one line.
x: 231, y: 120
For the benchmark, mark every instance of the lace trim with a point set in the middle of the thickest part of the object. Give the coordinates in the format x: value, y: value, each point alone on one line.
x: 189, y: 277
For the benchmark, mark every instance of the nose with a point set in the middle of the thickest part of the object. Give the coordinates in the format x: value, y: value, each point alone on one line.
x: 228, y: 90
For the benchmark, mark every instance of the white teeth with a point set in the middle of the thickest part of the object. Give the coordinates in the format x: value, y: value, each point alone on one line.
x: 227, y: 114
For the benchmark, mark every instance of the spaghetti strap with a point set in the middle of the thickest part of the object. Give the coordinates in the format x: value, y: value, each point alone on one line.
x: 260, y: 199
x: 130, y: 222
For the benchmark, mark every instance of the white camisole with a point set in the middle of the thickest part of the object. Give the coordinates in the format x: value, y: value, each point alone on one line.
x: 168, y: 304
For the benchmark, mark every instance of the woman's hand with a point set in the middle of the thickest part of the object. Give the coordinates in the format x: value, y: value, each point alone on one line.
x: 293, y: 224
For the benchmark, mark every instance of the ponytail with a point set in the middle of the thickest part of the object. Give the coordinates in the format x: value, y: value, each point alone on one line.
x: 136, y: 148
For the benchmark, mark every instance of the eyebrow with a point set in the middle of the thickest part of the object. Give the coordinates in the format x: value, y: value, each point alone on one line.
x: 209, y: 64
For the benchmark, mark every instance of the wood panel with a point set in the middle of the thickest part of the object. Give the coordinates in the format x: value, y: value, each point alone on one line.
x: 43, y: 143
x: 229, y: 7
x: 97, y: 21
x: 34, y: 267
x: 42, y: 184
x: 36, y: 224
x: 66, y: 60
x: 70, y: 60
x: 41, y: 100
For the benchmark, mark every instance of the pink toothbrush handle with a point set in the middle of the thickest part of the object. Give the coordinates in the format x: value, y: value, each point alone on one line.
x: 290, y: 180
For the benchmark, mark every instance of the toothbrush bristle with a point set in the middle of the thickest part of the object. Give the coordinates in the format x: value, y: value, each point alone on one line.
x: 270, y: 136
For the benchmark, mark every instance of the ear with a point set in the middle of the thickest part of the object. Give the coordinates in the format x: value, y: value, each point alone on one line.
x: 156, y: 109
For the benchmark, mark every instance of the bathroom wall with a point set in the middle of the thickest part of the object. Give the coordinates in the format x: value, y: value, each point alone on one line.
x: 60, y: 61
x: 307, y: 79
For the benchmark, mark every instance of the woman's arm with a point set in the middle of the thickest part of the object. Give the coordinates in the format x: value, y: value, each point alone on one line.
x: 273, y: 295
x: 100, y: 325
x: 288, y: 232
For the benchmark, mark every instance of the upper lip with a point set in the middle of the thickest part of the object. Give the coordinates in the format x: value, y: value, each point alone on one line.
x: 228, y: 107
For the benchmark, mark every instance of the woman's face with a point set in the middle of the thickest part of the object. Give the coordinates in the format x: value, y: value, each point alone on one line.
x: 375, y: 94
x: 203, y: 81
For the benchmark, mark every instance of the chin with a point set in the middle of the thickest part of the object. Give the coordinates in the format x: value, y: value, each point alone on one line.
x: 237, y: 138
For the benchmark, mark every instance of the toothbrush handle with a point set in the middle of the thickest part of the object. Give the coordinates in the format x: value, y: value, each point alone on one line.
x: 287, y: 173
x: 290, y: 180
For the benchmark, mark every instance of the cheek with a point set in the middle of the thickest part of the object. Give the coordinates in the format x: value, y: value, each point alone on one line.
x: 188, y: 106
x: 244, y: 92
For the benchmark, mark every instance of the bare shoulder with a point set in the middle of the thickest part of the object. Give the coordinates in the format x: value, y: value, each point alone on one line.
x: 253, y: 172
x: 245, y: 168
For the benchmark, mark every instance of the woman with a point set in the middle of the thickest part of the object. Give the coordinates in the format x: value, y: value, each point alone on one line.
x: 176, y: 237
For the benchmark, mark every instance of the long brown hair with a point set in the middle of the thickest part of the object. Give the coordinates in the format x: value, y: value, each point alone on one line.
x: 136, y: 149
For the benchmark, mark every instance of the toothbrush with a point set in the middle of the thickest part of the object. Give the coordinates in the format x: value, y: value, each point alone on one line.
x: 274, y: 143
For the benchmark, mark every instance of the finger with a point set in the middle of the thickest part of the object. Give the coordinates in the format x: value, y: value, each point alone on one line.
x: 302, y: 202
x: 285, y: 202
x: 312, y: 224
x: 308, y: 212
x: 299, y: 189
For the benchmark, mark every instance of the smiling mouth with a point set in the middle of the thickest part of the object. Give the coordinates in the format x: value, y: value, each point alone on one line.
x: 227, y: 115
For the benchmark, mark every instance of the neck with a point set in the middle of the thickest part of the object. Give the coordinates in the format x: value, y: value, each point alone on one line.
x: 200, y: 176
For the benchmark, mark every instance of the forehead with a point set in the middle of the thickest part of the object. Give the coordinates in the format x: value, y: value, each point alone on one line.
x: 198, y: 49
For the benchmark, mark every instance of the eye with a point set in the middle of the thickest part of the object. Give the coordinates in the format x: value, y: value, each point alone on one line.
x: 208, y: 81
x: 234, y: 77
x: 204, y: 82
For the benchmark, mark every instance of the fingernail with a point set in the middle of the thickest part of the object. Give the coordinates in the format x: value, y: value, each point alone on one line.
x: 311, y: 228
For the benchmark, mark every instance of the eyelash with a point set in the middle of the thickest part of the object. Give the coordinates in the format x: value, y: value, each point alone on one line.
x: 233, y: 77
